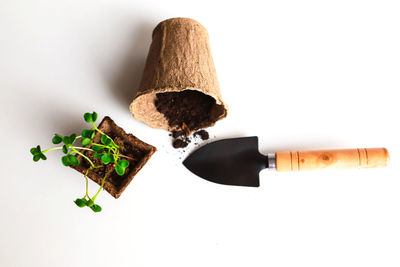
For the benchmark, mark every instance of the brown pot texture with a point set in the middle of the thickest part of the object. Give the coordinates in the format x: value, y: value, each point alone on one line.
x: 179, y: 60
x: 131, y: 146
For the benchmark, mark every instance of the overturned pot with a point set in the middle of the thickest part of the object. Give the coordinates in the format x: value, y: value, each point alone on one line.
x: 179, y: 83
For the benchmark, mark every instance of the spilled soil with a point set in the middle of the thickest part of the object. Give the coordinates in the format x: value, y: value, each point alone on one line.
x: 187, y: 111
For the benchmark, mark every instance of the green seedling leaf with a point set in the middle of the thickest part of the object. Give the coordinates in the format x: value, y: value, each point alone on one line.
x: 88, y: 133
x: 34, y: 151
x: 73, y: 160
x: 72, y: 138
x: 65, y: 149
x: 56, y: 139
x: 66, y: 161
x: 97, y: 155
x: 66, y: 140
x: 123, y: 163
x: 37, y: 154
x: 105, y: 140
x: 86, y: 141
x: 119, y: 170
x: 88, y: 117
x: 113, y: 157
x: 94, y: 116
x: 69, y: 140
x: 80, y: 202
x: 89, y: 203
x: 97, y: 149
x: 105, y: 158
x: 96, y: 208
x: 85, y: 133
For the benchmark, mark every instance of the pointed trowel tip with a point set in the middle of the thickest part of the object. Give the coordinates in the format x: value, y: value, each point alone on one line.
x: 185, y: 163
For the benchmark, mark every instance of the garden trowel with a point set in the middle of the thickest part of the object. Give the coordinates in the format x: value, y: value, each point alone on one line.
x: 237, y: 161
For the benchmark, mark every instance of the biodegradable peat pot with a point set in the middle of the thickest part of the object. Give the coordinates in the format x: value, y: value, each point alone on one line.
x: 130, y: 145
x: 179, y: 82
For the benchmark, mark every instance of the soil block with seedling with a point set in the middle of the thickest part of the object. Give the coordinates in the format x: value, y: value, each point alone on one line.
x: 106, y: 154
x: 179, y: 88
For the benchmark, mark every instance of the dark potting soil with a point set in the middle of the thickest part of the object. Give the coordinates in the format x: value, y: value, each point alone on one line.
x: 182, y: 139
x: 195, y: 109
x: 187, y: 111
x: 137, y: 152
x: 203, y: 134
x: 178, y: 134
x: 180, y: 143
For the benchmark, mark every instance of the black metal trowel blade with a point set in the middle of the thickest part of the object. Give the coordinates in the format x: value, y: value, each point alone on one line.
x: 234, y: 161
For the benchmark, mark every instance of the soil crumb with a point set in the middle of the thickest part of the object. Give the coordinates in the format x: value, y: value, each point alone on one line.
x: 181, y: 139
x: 203, y: 134
x: 179, y: 143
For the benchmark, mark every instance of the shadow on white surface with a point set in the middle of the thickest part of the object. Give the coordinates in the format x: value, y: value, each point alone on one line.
x: 124, y: 83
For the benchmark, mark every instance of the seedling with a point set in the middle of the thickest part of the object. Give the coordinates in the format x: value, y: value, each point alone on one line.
x: 106, y: 150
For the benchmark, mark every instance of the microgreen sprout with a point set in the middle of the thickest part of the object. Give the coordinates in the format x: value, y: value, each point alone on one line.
x: 106, y: 150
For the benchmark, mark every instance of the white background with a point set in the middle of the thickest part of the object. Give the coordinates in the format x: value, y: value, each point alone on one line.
x: 298, y: 74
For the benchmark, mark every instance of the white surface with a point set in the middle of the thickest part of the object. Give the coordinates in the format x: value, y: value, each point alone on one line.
x: 317, y: 74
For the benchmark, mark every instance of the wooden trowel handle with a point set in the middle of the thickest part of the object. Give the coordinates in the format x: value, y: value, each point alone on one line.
x: 332, y: 159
